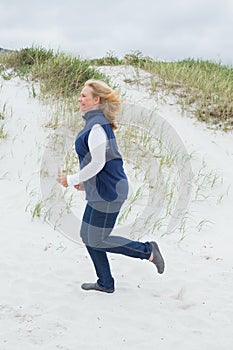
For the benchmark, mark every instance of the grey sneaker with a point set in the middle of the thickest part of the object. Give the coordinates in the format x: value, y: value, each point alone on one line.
x: 157, y: 257
x: 96, y: 286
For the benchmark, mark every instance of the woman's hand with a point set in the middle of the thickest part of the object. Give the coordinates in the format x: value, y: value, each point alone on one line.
x: 62, y: 179
x: 79, y: 187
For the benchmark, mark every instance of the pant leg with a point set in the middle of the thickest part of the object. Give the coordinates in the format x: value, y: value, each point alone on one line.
x: 100, y: 226
x: 99, y: 258
x: 102, y: 267
x: 96, y: 228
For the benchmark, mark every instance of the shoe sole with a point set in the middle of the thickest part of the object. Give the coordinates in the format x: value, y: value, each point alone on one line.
x: 95, y: 286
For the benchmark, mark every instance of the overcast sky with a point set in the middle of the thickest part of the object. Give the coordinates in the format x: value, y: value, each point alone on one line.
x: 163, y: 29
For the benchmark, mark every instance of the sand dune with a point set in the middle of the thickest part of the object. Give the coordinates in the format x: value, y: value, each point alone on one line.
x: 41, y: 303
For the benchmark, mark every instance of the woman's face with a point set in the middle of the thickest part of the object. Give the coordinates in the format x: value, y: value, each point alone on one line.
x: 87, y: 101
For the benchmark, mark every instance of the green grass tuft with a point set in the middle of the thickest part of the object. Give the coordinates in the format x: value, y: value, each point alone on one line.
x: 59, y: 75
x: 205, y: 87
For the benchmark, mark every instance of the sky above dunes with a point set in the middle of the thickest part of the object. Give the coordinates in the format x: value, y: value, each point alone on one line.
x: 166, y: 29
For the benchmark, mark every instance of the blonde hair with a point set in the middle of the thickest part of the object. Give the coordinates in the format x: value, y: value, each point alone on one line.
x: 109, y: 100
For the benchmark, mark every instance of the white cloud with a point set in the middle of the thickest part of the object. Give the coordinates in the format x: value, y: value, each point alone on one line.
x: 168, y: 29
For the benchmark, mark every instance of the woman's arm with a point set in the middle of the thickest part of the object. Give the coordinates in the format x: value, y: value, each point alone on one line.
x: 97, y: 143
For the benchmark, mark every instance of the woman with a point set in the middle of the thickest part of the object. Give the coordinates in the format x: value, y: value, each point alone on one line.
x: 103, y: 178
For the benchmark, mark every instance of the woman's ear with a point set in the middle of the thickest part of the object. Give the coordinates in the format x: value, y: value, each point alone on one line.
x: 97, y: 100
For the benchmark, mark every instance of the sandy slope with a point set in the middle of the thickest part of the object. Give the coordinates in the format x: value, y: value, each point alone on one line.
x: 41, y: 303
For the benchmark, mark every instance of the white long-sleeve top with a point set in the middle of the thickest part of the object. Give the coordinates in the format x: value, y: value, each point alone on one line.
x: 97, y: 143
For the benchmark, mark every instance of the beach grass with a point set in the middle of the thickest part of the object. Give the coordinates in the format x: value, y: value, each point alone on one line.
x: 205, y: 86
x: 59, y: 75
x: 199, y: 85
x: 3, y: 134
x: 202, y: 86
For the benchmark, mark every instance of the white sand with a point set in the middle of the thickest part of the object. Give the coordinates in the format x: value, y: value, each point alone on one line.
x: 41, y: 303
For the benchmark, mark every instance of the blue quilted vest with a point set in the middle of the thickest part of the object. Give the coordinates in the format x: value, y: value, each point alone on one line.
x: 111, y: 183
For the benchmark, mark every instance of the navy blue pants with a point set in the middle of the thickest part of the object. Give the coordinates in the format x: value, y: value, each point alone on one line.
x: 98, y: 221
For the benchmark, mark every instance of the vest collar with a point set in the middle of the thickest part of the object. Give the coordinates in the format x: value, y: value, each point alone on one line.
x: 93, y: 113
